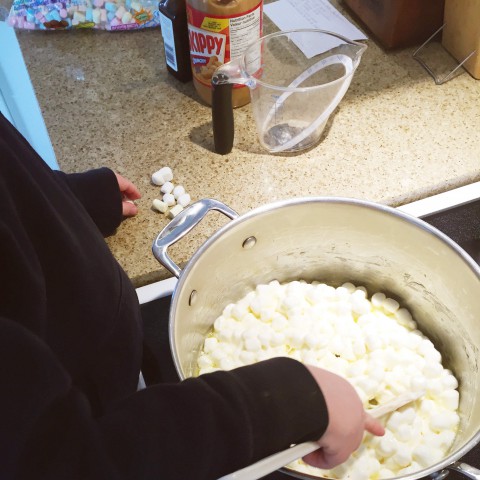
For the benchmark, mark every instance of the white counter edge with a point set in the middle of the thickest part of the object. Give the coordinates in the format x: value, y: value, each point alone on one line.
x: 442, y: 201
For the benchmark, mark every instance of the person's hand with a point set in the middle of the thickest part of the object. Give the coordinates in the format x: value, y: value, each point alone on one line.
x: 348, y: 421
x: 129, y: 193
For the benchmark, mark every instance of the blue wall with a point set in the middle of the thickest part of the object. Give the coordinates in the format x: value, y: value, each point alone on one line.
x: 17, y: 98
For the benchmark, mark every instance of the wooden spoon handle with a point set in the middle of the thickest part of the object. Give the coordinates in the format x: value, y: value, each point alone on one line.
x: 278, y: 460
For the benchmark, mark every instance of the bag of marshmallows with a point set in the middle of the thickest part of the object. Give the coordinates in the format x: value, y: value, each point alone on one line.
x: 98, y: 14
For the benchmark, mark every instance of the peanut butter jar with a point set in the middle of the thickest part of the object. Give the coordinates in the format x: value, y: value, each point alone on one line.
x: 220, y: 31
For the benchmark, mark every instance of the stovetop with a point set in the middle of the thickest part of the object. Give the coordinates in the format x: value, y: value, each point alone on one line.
x: 460, y: 223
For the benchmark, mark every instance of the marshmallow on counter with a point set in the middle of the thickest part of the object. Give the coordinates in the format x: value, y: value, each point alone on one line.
x: 178, y: 191
x: 174, y: 196
x: 167, y: 187
x: 169, y: 199
x: 162, y: 176
x: 159, y: 205
x: 184, y: 200
x: 174, y: 211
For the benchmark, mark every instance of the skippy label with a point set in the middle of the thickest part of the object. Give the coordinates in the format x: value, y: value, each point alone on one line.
x: 215, y: 40
x: 204, y: 44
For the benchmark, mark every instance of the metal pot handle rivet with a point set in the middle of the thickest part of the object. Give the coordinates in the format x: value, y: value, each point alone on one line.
x: 249, y: 242
x: 192, y: 298
x: 181, y: 225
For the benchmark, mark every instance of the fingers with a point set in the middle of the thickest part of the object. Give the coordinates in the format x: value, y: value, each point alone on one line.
x: 324, y: 459
x: 373, y: 426
x: 131, y: 191
x: 128, y: 189
x: 129, y: 209
x: 327, y: 456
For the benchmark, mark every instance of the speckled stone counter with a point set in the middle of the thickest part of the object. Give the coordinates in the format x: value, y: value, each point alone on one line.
x: 107, y: 99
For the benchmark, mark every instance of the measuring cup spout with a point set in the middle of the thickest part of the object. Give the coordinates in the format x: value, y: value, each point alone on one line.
x: 222, y: 109
x: 357, y: 49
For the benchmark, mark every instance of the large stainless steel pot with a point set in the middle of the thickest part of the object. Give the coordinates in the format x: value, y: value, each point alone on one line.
x: 335, y: 240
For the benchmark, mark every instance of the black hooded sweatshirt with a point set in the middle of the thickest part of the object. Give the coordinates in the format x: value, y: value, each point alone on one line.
x: 71, y: 349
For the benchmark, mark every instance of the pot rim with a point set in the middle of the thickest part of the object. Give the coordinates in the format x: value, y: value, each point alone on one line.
x: 327, y: 199
x: 451, y: 458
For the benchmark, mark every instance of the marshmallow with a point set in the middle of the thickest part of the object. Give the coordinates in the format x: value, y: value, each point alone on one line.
x: 246, y: 357
x: 450, y: 399
x: 387, y: 446
x: 174, y: 211
x: 378, y: 299
x: 159, y: 205
x: 350, y: 287
x: 444, y: 420
x: 163, y: 175
x: 373, y: 343
x: 184, y: 200
x: 167, y: 187
x: 120, y: 12
x: 252, y: 344
x: 169, y: 199
x: 210, y: 344
x: 390, y: 305
x: 425, y: 455
x: 178, y: 191
x: 204, y: 361
x: 403, y: 456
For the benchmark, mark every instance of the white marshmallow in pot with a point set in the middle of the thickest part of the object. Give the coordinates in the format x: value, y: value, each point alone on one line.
x: 210, y: 344
x: 278, y: 339
x: 204, y: 361
x: 375, y: 343
x: 378, y: 299
x: 426, y: 455
x: 450, y: 399
x: 387, y: 445
x: 247, y: 357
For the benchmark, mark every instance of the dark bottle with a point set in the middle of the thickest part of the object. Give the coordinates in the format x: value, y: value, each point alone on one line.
x: 173, y: 22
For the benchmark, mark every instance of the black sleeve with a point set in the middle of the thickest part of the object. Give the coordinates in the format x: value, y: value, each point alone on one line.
x: 61, y: 290
x: 200, y: 429
x: 206, y: 427
x: 99, y: 193
x: 97, y: 190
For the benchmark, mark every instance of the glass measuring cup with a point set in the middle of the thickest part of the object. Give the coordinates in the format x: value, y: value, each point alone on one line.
x: 296, y: 80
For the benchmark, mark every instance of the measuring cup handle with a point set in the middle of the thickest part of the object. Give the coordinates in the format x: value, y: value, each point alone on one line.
x: 222, y: 117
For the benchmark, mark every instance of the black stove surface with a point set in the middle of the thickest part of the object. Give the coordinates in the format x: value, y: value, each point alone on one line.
x: 461, y: 224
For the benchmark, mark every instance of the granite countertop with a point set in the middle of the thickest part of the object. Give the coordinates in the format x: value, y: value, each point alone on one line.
x: 108, y: 100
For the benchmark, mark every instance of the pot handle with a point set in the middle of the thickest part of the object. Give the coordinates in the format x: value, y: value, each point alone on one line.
x: 181, y: 225
x: 465, y: 469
